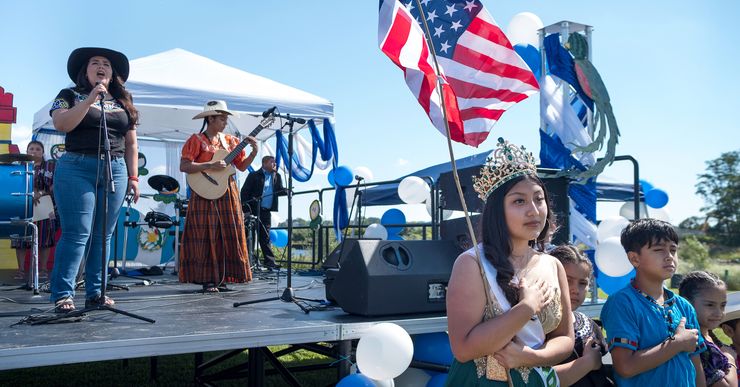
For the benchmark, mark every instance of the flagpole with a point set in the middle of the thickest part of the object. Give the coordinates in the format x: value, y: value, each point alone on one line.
x: 456, y: 178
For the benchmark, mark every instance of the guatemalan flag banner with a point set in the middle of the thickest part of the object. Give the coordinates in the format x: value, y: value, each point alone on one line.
x: 483, y: 75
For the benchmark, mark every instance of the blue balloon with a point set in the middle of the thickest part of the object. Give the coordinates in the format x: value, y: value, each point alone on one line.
x: 281, y: 239
x: 437, y: 380
x: 273, y: 236
x: 433, y: 348
x: 356, y: 380
x: 611, y: 285
x: 393, y: 216
x: 394, y: 237
x: 531, y: 56
x: 343, y: 176
x: 330, y: 178
x: 646, y: 186
x: 656, y: 198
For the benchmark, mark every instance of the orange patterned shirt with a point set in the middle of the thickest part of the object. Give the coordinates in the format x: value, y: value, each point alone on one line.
x: 198, y: 148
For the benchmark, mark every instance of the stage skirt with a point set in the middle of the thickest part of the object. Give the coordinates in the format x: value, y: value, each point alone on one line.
x: 214, y: 246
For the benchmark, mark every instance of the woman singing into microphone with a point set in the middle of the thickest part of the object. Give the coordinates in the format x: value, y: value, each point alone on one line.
x: 98, y: 74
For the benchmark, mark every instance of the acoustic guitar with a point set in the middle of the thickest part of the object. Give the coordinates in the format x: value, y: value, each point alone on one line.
x: 212, y: 184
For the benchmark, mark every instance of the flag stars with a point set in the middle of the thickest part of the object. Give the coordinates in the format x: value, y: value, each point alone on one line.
x: 470, y: 5
x: 445, y: 47
x: 455, y: 25
x: 450, y: 10
x: 432, y: 15
x: 424, y: 2
x: 438, y: 31
x: 410, y: 5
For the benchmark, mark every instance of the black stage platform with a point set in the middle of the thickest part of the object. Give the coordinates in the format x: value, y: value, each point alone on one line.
x: 187, y: 321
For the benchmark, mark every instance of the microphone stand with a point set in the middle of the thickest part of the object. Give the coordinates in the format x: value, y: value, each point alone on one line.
x: 109, y: 189
x: 288, y: 293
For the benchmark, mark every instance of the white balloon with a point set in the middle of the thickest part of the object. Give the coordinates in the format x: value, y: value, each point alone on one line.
x: 611, y: 258
x: 413, y: 189
x: 628, y: 210
x: 523, y: 29
x: 413, y: 377
x: 611, y: 227
x: 364, y: 172
x: 660, y: 214
x: 384, y: 351
x: 446, y: 214
x: 376, y: 230
x: 384, y: 383
x: 274, y: 219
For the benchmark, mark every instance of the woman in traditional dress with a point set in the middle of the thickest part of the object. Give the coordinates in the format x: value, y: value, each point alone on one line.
x: 214, y: 246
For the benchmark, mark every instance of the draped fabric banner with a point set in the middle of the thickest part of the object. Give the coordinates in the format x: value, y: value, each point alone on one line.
x: 562, y: 119
x: 326, y: 147
x: 341, y: 215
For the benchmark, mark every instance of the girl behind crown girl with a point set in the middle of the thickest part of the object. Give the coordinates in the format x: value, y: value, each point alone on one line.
x: 708, y: 294
x: 505, y: 312
x: 583, y: 367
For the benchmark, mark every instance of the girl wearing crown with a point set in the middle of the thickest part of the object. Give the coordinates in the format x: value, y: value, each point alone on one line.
x: 506, y: 302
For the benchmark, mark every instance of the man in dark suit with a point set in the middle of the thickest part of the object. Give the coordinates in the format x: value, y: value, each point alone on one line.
x: 260, y: 196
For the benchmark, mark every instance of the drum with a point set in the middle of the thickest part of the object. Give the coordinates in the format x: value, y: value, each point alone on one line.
x: 16, y: 196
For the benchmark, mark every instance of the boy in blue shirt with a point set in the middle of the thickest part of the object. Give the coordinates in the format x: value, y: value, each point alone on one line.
x: 652, y: 333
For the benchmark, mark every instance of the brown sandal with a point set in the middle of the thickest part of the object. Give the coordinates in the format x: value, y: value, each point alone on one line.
x: 64, y: 305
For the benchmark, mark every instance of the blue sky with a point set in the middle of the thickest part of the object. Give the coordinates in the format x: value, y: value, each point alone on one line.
x: 667, y: 66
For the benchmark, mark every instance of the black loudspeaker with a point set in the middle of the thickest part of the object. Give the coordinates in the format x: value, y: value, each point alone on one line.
x: 332, y: 260
x: 378, y: 278
x: 557, y: 189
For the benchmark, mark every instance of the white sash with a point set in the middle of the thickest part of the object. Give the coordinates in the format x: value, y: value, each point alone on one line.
x: 531, y: 334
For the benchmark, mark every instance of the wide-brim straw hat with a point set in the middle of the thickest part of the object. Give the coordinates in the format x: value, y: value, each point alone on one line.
x: 732, y: 309
x: 79, y: 57
x: 215, y: 108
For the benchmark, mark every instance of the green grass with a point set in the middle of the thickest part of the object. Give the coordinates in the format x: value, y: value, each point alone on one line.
x: 176, y: 370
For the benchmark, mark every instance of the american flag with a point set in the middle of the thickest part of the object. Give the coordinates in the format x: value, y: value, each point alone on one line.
x: 483, y: 75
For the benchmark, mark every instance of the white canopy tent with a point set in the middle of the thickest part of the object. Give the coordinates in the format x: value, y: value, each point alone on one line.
x: 171, y: 87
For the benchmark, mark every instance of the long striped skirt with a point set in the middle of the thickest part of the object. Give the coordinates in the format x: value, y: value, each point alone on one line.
x: 214, y: 246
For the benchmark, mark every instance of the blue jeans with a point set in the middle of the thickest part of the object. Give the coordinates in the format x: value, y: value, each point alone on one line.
x: 79, y: 186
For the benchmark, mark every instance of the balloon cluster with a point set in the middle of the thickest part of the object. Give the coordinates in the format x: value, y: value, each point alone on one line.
x: 653, y: 207
x: 384, y: 230
x: 613, y: 268
x: 383, y: 352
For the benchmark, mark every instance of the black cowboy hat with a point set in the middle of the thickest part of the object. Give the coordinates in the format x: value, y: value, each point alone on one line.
x: 79, y: 57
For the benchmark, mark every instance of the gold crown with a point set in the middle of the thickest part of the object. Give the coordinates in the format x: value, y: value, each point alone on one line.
x: 507, y: 162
